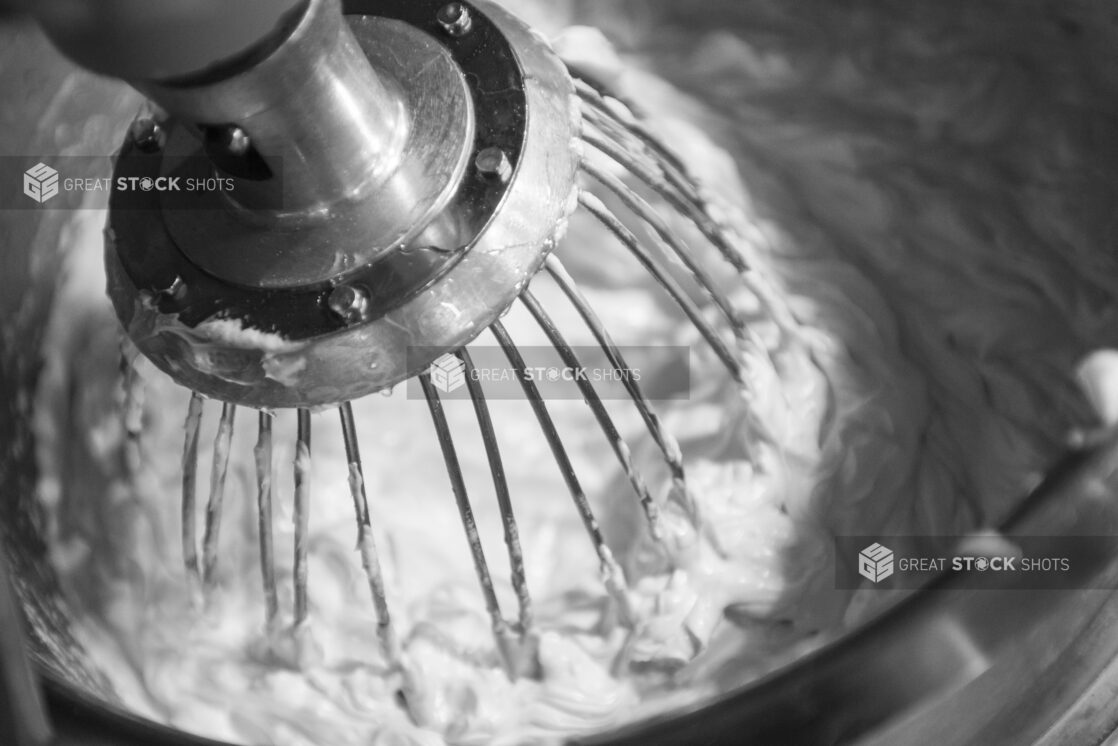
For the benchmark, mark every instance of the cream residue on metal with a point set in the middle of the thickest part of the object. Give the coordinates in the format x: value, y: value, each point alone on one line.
x: 919, y: 219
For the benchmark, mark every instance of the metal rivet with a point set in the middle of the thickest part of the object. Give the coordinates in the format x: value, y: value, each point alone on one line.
x: 455, y: 19
x: 493, y: 163
x: 174, y: 291
x: 237, y: 141
x: 229, y: 139
x: 147, y: 134
x: 349, y: 302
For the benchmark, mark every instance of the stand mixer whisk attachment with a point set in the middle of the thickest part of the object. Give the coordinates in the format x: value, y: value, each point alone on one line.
x: 396, y: 173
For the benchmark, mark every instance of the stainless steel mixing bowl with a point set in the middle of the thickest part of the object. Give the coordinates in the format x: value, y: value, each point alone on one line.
x: 949, y: 665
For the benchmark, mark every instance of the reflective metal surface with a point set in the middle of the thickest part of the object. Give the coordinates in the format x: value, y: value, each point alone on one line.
x: 1013, y: 667
x: 952, y: 664
x: 131, y: 39
x: 350, y: 138
x: 378, y: 183
x: 365, y: 127
x: 436, y: 290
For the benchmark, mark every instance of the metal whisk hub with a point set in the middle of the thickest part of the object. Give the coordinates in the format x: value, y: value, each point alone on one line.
x: 429, y: 227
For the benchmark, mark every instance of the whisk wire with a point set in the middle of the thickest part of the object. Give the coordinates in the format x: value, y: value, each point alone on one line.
x: 599, y: 98
x: 644, y: 211
x: 189, y: 495
x: 302, y: 512
x: 629, y: 143
x: 504, y: 499
x: 133, y: 414
x: 612, y: 575
x: 684, y: 198
x: 366, y: 542
x: 655, y: 167
x: 597, y: 208
x: 215, y: 506
x: 594, y: 401
x: 500, y: 627
x: 263, y: 456
x: 664, y: 440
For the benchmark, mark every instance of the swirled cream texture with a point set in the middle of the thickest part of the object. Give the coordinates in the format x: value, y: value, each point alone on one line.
x: 925, y: 197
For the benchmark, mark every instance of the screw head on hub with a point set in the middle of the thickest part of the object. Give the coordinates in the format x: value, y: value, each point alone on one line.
x: 234, y: 140
x: 493, y: 163
x: 147, y: 134
x: 349, y: 302
x: 455, y: 19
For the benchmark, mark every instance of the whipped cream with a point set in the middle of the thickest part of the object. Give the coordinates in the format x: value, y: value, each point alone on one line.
x: 924, y: 281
